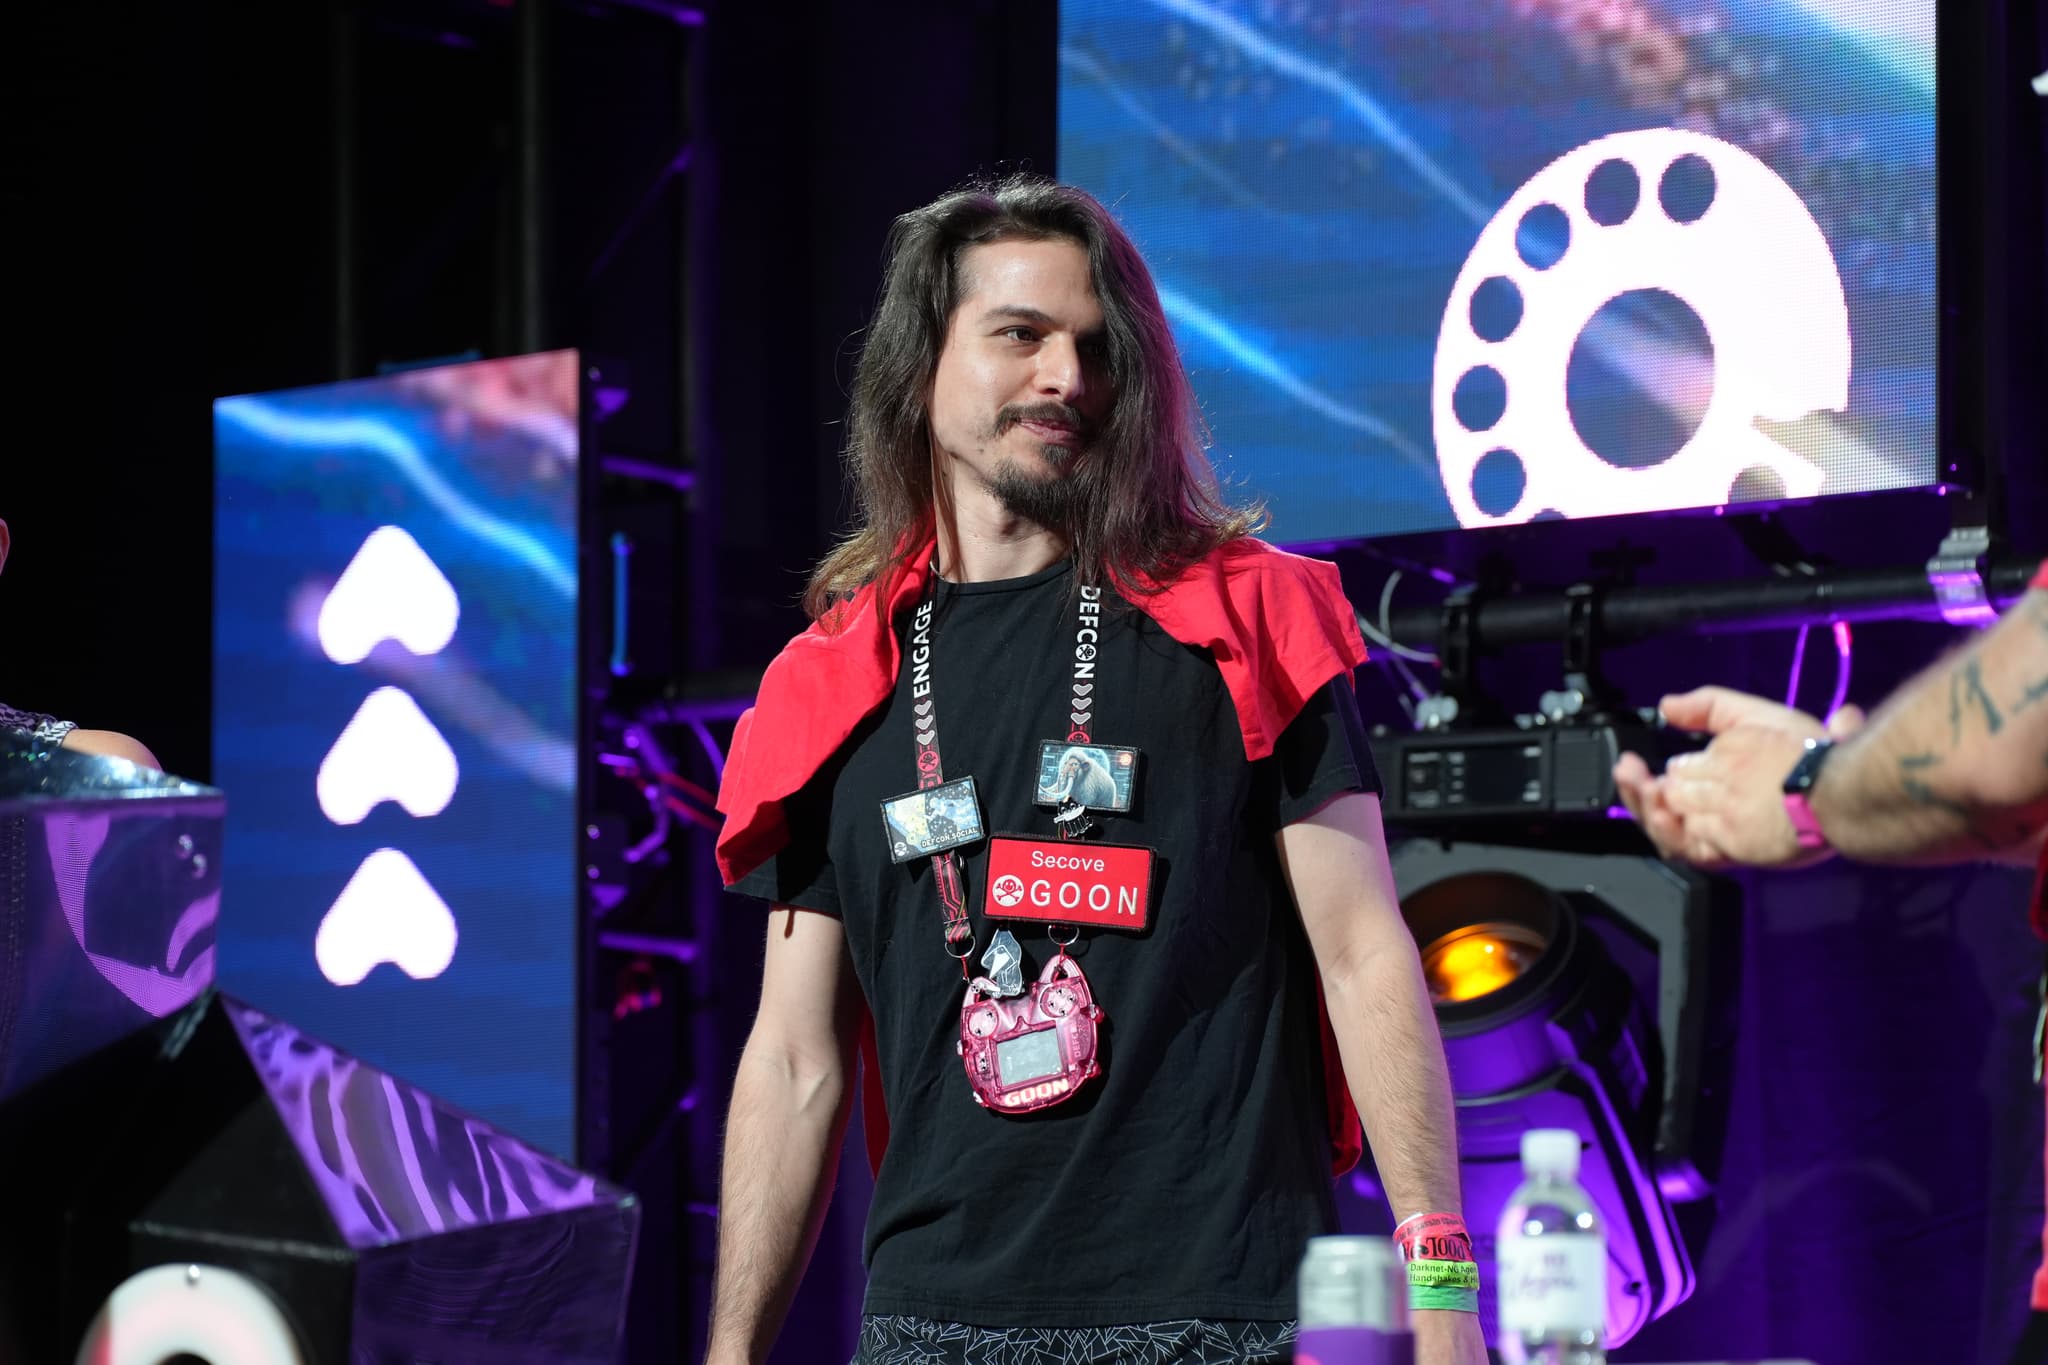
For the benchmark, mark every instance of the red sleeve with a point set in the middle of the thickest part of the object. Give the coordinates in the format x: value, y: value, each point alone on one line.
x: 2040, y: 576
x: 813, y: 695
x: 1277, y: 624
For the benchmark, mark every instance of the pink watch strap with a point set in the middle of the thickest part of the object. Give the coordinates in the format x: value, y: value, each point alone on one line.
x: 1804, y: 826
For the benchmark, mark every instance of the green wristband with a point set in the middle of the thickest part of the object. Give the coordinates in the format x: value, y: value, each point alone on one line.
x: 1422, y: 1296
x: 1430, y: 1274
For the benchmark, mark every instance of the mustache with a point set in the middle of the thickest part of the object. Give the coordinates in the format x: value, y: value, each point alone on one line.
x: 1049, y: 413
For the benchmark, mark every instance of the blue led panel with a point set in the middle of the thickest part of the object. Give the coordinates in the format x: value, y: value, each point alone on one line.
x: 394, y: 724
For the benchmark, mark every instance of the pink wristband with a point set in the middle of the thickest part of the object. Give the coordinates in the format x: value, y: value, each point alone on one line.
x: 1804, y: 826
x: 1433, y: 1237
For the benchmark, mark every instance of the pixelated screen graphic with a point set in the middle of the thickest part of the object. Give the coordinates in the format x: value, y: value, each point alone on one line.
x: 1483, y: 262
x: 394, y: 724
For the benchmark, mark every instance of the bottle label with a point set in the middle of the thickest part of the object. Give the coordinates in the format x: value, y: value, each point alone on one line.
x: 1553, y: 1284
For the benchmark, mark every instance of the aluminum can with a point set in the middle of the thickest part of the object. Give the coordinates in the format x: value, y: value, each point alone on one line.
x: 1353, y: 1301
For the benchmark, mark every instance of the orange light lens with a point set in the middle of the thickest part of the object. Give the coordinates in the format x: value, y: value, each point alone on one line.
x: 1477, y: 960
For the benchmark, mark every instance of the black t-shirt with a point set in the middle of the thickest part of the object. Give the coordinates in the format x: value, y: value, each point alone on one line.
x: 1185, y: 1180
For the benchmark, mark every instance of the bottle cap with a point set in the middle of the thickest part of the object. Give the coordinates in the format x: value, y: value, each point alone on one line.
x: 1552, y: 1151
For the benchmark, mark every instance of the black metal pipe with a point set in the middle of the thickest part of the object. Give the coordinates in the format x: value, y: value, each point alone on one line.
x: 1711, y: 608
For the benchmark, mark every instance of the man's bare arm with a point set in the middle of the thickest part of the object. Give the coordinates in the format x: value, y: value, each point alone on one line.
x: 1955, y: 765
x: 1336, y: 866
x: 790, y: 1102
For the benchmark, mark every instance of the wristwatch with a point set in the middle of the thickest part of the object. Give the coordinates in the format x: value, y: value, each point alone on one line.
x: 1798, y: 783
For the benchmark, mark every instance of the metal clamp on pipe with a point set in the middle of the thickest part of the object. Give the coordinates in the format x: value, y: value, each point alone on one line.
x: 1455, y: 647
x: 1583, y: 693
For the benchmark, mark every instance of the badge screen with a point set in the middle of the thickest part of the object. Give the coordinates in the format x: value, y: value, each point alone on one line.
x: 1029, y: 1056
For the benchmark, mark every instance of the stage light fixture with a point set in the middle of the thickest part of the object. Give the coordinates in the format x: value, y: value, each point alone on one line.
x: 1478, y: 959
x: 1572, y: 991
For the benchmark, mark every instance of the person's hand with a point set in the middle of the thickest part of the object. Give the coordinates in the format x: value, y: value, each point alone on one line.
x: 1443, y: 1337
x: 1642, y: 791
x: 1728, y: 800
x: 1724, y: 806
x: 1717, y: 710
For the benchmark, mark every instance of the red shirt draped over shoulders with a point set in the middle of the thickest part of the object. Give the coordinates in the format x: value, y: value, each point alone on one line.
x: 1277, y: 625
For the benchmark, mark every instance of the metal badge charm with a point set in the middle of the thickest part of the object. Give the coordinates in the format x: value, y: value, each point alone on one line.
x: 1004, y: 961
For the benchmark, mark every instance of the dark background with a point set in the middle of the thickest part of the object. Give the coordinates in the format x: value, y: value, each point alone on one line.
x: 222, y: 198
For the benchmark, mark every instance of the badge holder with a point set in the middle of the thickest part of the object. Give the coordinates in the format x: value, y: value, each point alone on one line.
x: 1033, y: 1051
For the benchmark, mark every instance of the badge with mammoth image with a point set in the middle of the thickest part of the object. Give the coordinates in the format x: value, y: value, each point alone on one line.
x: 1095, y: 776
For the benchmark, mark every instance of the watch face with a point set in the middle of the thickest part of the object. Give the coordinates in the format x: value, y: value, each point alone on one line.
x: 1800, y: 780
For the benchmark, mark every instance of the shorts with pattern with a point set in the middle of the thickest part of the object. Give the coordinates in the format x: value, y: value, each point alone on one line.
x: 895, y: 1340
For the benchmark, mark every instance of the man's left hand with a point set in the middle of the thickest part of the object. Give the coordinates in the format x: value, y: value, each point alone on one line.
x: 1446, y: 1338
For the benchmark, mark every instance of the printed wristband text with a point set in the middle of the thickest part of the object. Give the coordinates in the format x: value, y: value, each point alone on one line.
x: 1443, y: 1275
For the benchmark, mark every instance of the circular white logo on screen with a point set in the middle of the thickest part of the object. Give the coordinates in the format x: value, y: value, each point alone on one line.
x: 1669, y: 271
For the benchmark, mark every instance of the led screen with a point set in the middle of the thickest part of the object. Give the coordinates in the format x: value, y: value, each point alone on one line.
x: 1469, y: 264
x: 394, y: 724
x: 1028, y: 1057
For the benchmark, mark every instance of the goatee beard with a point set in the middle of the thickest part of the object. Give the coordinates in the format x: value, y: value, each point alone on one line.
x: 1044, y: 501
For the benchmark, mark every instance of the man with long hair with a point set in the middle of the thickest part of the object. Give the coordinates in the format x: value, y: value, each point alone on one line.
x: 1124, y: 1159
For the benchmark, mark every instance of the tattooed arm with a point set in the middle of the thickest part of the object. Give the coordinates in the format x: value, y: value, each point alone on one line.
x: 1953, y: 767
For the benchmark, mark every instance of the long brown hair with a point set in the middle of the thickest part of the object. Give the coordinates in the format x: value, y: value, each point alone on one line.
x: 1148, y: 503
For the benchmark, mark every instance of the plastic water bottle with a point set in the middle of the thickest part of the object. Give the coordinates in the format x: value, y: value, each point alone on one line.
x: 1552, y: 1266
x: 1354, y: 1304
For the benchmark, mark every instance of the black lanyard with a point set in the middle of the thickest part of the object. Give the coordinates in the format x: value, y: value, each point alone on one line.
x: 931, y: 771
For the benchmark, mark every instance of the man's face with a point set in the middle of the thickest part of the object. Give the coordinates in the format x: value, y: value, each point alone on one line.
x: 1019, y: 393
